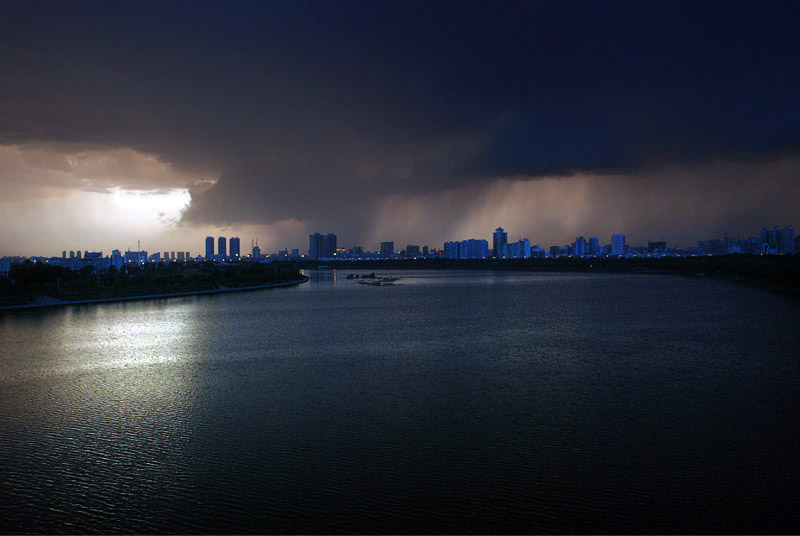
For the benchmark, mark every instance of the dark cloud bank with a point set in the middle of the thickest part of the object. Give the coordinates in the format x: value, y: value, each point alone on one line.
x: 321, y: 111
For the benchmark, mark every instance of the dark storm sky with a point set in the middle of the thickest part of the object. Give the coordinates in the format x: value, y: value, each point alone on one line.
x: 345, y: 115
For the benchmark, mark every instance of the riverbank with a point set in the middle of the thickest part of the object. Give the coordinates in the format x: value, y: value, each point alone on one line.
x: 45, y: 301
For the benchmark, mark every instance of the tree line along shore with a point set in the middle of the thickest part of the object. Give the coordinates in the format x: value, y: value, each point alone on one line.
x: 29, y: 282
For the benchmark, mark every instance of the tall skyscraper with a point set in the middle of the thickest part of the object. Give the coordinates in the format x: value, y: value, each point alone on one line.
x: 235, y: 251
x: 526, y: 248
x: 594, y: 245
x: 222, y: 249
x: 329, y: 245
x: 321, y: 246
x: 387, y: 249
x: 579, y: 247
x: 786, y: 241
x: 618, y: 244
x: 209, y: 248
x: 499, y: 239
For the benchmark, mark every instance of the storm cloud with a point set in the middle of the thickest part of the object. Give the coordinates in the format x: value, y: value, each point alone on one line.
x: 341, y: 115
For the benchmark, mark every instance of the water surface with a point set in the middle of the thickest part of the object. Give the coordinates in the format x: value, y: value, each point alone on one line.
x: 450, y: 402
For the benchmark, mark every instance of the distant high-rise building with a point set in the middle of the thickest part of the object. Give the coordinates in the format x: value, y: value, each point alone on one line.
x: 517, y: 250
x: 466, y: 249
x: 209, y: 248
x: 475, y: 249
x: 451, y: 250
x: 181, y: 256
x: 135, y: 257
x: 716, y: 246
x: 321, y: 246
x: 222, y: 247
x: 499, y: 239
x: 116, y: 259
x: 787, y: 240
x: 618, y: 244
x: 752, y: 245
x: 594, y: 245
x: 425, y: 251
x: 764, y: 237
x: 412, y: 251
x: 579, y: 247
x: 774, y: 237
x: 777, y: 240
x: 525, y: 243
x: 387, y: 249
x: 329, y: 245
x: 235, y: 247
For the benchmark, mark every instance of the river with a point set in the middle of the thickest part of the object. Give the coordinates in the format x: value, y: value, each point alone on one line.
x: 449, y: 402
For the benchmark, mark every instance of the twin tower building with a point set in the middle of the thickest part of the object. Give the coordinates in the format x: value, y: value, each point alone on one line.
x: 222, y: 249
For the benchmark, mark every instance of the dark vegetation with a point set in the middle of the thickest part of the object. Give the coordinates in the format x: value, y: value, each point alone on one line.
x: 774, y: 272
x: 28, y: 280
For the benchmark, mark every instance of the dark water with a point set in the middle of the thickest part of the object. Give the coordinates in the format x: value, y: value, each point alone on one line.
x: 453, y: 402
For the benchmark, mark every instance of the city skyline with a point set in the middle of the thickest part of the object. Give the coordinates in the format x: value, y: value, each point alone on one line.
x: 768, y: 241
x: 412, y: 122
